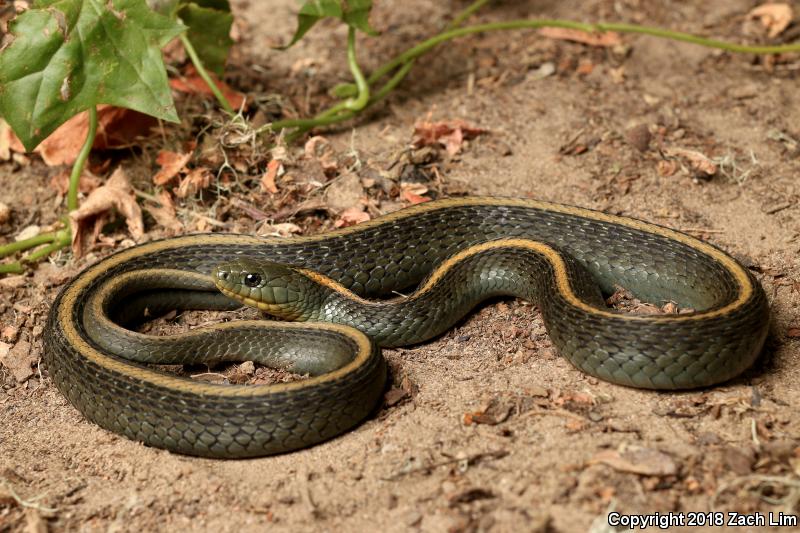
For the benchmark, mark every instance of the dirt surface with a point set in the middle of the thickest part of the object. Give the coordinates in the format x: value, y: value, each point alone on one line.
x: 486, y: 428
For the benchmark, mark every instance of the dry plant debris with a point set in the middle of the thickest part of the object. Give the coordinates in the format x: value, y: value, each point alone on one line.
x: 88, y: 220
x: 775, y: 17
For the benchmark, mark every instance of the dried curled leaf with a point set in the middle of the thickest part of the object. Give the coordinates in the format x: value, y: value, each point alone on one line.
x: 774, y: 17
x: 95, y: 211
x: 449, y: 133
x: 171, y: 163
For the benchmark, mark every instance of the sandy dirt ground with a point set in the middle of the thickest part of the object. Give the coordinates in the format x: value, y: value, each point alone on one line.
x: 486, y: 428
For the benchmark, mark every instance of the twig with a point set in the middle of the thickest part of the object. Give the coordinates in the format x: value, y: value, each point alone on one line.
x: 30, y: 504
x: 470, y: 460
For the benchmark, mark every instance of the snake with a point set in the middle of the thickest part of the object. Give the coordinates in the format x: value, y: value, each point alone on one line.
x: 395, y: 280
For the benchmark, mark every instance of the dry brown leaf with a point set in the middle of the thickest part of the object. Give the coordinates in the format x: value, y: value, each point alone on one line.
x: 116, y: 128
x: 412, y: 193
x: 196, y: 180
x: 284, y: 229
x: 171, y: 163
x: 351, y: 217
x: 449, y: 133
x: 413, y: 199
x: 774, y: 17
x: 603, y: 39
x: 698, y: 161
x: 274, y: 169
x: 637, y: 460
x: 165, y: 213
x: 192, y: 83
x: 89, y: 218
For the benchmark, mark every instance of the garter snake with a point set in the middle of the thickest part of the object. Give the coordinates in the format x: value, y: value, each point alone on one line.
x: 495, y: 244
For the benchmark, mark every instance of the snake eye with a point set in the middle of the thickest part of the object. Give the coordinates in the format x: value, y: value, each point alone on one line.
x: 252, y: 280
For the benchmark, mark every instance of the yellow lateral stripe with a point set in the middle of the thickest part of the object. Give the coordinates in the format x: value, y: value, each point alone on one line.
x: 562, y: 281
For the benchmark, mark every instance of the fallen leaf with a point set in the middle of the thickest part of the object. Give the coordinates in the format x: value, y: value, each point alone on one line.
x: 774, y: 17
x: 352, y: 216
x: 319, y: 148
x: 450, y: 134
x: 697, y: 161
x: 196, y: 180
x: 492, y: 412
x: 274, y: 169
x: 5, y: 213
x: 171, y: 163
x: 89, y: 218
x: 637, y: 460
x: 116, y: 128
x: 284, y: 229
x: 602, y: 39
x: 414, y: 199
x: 165, y: 213
x: 412, y: 193
x: 192, y: 83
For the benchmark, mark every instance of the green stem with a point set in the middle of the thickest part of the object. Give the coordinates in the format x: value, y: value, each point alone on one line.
x: 12, y: 268
x: 326, y: 117
x: 359, y: 102
x: 377, y: 96
x: 425, y: 46
x: 198, y: 64
x: 38, y: 240
x: 403, y: 62
x: 63, y: 239
x: 80, y: 162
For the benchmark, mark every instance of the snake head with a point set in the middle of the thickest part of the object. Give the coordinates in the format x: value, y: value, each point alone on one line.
x: 283, y: 291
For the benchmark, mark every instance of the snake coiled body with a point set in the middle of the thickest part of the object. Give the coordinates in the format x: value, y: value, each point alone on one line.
x: 460, y: 250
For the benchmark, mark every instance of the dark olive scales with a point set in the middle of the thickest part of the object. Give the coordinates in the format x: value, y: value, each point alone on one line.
x: 584, y: 252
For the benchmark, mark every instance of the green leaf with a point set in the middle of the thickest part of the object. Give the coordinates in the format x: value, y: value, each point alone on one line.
x: 69, y: 55
x: 354, y: 13
x: 209, y: 23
